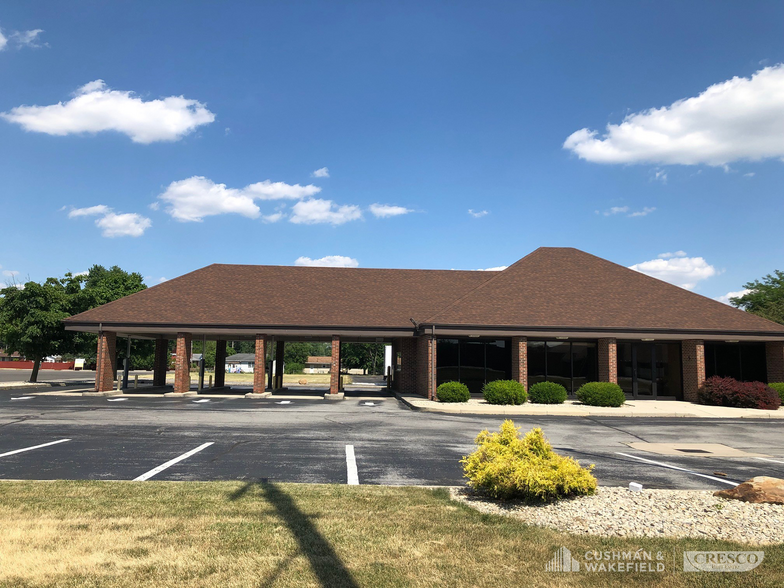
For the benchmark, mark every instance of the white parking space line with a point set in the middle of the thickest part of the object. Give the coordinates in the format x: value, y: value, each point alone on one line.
x: 672, y: 467
x: 200, y: 401
x: 116, y: 399
x: 351, y: 466
x: 15, y: 451
x: 772, y: 460
x: 171, y: 462
x: 284, y: 402
x: 23, y: 398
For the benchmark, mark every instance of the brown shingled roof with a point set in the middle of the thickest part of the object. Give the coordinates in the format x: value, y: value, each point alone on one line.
x: 551, y: 287
x: 566, y: 287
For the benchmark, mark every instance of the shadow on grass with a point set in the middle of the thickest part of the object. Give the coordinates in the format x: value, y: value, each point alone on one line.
x: 328, y: 567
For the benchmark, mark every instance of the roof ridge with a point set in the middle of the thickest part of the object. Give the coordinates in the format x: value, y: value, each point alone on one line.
x: 482, y: 285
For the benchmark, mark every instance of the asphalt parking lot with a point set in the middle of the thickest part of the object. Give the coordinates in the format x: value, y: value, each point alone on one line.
x: 372, y: 440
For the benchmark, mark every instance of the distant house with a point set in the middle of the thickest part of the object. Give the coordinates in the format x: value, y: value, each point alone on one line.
x: 240, y: 363
x: 318, y: 364
x: 12, y: 357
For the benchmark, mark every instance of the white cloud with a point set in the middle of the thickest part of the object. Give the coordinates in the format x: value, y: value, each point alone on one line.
x: 477, y: 213
x: 84, y: 273
x: 726, y: 297
x: 669, y: 255
x: 315, y: 211
x: 739, y: 119
x: 328, y: 261
x: 644, y: 212
x: 272, y: 218
x: 96, y: 108
x: 10, y: 273
x: 660, y: 175
x: 112, y: 224
x: 387, y: 210
x: 749, y: 175
x: 3, y: 41
x: 685, y: 272
x: 198, y: 197
x: 322, y: 172
x: 28, y: 38
x: 625, y: 210
x: 499, y: 268
x: 89, y: 211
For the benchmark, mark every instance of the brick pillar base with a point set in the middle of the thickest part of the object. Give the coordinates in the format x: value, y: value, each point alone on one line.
x: 407, y: 380
x: 693, y: 360
x: 220, y: 363
x: 774, y: 356
x: 520, y: 360
x: 426, y: 366
x: 608, y: 360
x: 182, y: 364
x: 160, y: 363
x: 334, y: 368
x: 260, y: 365
x: 106, y: 360
x: 279, y: 352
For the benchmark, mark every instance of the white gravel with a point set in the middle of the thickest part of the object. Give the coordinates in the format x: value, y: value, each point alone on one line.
x: 619, y: 512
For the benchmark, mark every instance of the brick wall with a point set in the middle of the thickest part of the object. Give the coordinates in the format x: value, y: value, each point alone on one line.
x: 220, y: 363
x: 260, y: 365
x: 693, y: 360
x: 105, y: 361
x: 425, y: 366
x: 334, y: 367
x: 520, y: 360
x: 161, y: 362
x: 608, y: 360
x: 407, y: 380
x: 182, y: 363
x: 774, y: 355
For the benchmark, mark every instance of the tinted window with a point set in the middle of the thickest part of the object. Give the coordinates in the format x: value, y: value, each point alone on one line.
x: 448, y: 361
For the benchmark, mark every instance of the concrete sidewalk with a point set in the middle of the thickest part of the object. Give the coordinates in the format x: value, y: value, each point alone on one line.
x: 632, y: 408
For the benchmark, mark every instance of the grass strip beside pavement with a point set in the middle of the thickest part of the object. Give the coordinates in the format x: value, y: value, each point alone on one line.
x: 226, y: 534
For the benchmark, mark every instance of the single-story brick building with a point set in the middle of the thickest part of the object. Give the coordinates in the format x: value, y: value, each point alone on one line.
x: 557, y: 314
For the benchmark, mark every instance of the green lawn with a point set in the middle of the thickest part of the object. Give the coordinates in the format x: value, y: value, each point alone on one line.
x: 224, y: 534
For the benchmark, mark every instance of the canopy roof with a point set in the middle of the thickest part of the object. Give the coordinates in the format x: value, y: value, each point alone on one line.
x: 552, y: 289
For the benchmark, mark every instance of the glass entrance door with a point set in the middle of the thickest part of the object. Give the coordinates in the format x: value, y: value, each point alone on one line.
x: 637, y: 369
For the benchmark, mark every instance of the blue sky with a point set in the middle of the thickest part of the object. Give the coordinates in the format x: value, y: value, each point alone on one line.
x: 165, y: 138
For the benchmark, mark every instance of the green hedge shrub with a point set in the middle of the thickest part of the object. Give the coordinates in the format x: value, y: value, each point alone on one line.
x: 547, y: 393
x: 601, y: 394
x: 504, y: 392
x: 507, y: 466
x: 778, y: 387
x: 453, y: 392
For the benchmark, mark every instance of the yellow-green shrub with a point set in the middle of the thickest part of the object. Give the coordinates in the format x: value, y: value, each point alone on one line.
x: 505, y: 465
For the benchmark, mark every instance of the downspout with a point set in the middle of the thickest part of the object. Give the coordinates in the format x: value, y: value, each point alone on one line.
x: 433, y: 360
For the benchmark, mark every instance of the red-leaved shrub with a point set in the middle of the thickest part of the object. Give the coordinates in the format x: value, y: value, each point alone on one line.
x: 718, y: 391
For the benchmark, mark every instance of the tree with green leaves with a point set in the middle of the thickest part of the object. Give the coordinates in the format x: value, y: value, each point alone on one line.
x: 31, y: 318
x: 764, y: 298
x: 31, y: 314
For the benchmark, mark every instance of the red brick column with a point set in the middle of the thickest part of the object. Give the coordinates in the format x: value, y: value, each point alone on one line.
x: 106, y: 360
x: 334, y: 368
x: 260, y: 365
x: 407, y: 380
x: 693, y: 360
x: 279, y: 353
x: 774, y: 355
x: 608, y: 360
x: 182, y: 364
x: 161, y: 362
x: 520, y: 360
x: 426, y: 366
x: 220, y: 363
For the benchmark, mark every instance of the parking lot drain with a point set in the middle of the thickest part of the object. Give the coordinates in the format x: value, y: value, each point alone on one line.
x: 694, y: 449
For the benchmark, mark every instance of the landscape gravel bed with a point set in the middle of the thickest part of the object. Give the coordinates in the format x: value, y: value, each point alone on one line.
x: 619, y: 512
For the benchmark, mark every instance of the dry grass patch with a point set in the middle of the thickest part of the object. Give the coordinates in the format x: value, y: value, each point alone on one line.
x: 226, y: 534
